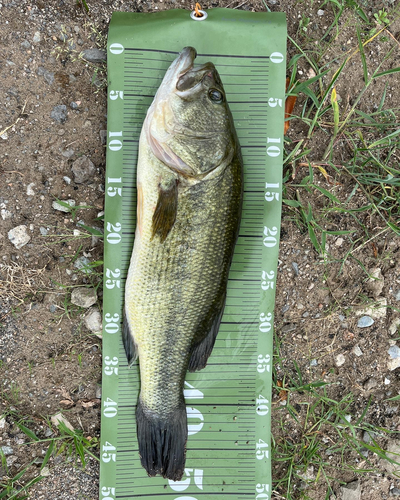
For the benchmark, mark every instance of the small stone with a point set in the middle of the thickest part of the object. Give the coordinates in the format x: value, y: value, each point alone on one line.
x: 48, y: 432
x: 313, y: 362
x: 2, y: 422
x: 393, y: 364
x: 392, y: 452
x: 92, y: 321
x: 5, y: 214
x: 45, y: 472
x: 289, y: 327
x: 29, y: 189
x: 94, y: 55
x: 397, y: 295
x: 62, y: 208
x: 19, y: 236
x: 357, y: 351
x: 339, y: 242
x: 308, y: 475
x: 394, y: 351
x: 84, y: 297
x: 59, y: 418
x: 98, y: 392
x: 67, y: 179
x: 4, y: 136
x: 377, y: 310
x: 103, y: 136
x: 394, y: 326
x: 53, y: 308
x: 375, y: 283
x: 43, y: 231
x: 83, y: 169
x: 352, y: 491
x: 83, y: 263
x: 340, y: 360
x: 365, y: 322
x: 320, y: 12
x: 26, y: 45
x: 73, y: 105
x: 47, y: 75
x: 68, y: 153
x: 387, y: 381
x: 36, y: 37
x: 395, y: 492
x: 370, y: 384
x: 295, y: 267
x: 63, y: 37
x: 368, y: 436
x: 59, y: 113
x: 7, y: 450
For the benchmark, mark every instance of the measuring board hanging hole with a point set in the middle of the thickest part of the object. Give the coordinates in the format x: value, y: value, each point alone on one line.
x: 162, y: 442
x: 197, y: 14
x: 129, y: 344
x: 201, y: 351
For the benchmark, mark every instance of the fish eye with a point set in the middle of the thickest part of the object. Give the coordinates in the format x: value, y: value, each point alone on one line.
x: 215, y: 95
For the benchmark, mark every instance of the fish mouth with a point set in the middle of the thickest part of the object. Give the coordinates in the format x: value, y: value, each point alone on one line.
x: 181, y: 65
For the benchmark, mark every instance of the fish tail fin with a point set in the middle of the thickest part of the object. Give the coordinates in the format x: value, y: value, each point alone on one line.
x: 129, y: 343
x: 162, y: 442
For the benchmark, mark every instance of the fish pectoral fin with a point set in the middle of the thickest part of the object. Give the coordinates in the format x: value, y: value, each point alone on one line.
x: 165, y: 213
x: 201, y: 351
x: 129, y: 343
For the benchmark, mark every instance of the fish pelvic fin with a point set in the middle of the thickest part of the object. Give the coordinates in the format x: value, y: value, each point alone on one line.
x: 202, y: 350
x: 128, y: 341
x: 162, y: 441
x: 165, y: 213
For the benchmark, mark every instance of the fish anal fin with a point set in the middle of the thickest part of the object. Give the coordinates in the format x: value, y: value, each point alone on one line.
x: 202, y: 350
x: 162, y: 441
x: 165, y: 213
x: 128, y: 341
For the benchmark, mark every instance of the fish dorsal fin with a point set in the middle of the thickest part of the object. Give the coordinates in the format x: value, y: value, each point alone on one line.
x: 165, y: 213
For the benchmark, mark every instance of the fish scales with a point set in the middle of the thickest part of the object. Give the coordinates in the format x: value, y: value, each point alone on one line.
x: 189, y: 202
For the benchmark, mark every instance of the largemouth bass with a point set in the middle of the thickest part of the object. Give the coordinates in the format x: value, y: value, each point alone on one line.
x: 189, y: 192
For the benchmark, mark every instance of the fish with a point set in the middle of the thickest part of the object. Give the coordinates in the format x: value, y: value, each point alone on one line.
x: 189, y: 199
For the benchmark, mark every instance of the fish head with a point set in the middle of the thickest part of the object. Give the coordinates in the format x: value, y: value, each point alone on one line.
x: 189, y: 125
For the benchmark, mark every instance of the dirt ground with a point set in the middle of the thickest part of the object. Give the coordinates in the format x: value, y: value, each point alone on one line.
x: 53, y: 111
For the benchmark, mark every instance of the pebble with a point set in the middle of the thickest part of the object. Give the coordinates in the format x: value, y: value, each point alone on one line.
x: 352, y: 491
x: 59, y: 113
x: 19, y: 236
x: 394, y: 325
x: 320, y: 12
x: 395, y: 492
x: 394, y: 352
x: 56, y: 419
x: 68, y: 153
x: 94, y: 55
x: 82, y: 263
x: 397, y: 295
x: 47, y: 75
x: 295, y: 267
x: 43, y: 231
x: 73, y: 105
x: 313, y: 362
x: 83, y: 169
x: 67, y: 179
x: 103, y: 137
x: 375, y: 283
x: 98, y: 392
x: 393, y: 364
x: 61, y: 208
x: 29, y: 189
x: 92, y: 320
x: 340, y: 360
x: 26, y: 45
x: 377, y: 310
x: 2, y: 422
x: 370, y: 384
x: 36, y: 37
x: 365, y: 322
x: 53, y: 308
x: 368, y: 436
x: 5, y: 214
x: 339, y: 242
x: 357, y: 351
x: 4, y: 136
x: 7, y: 450
x: 84, y: 297
x: 392, y: 452
x: 45, y: 471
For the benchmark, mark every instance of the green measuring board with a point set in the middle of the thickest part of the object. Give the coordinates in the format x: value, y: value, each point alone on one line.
x: 228, y: 403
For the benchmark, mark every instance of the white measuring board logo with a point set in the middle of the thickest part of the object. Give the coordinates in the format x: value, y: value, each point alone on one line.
x: 118, y: 447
